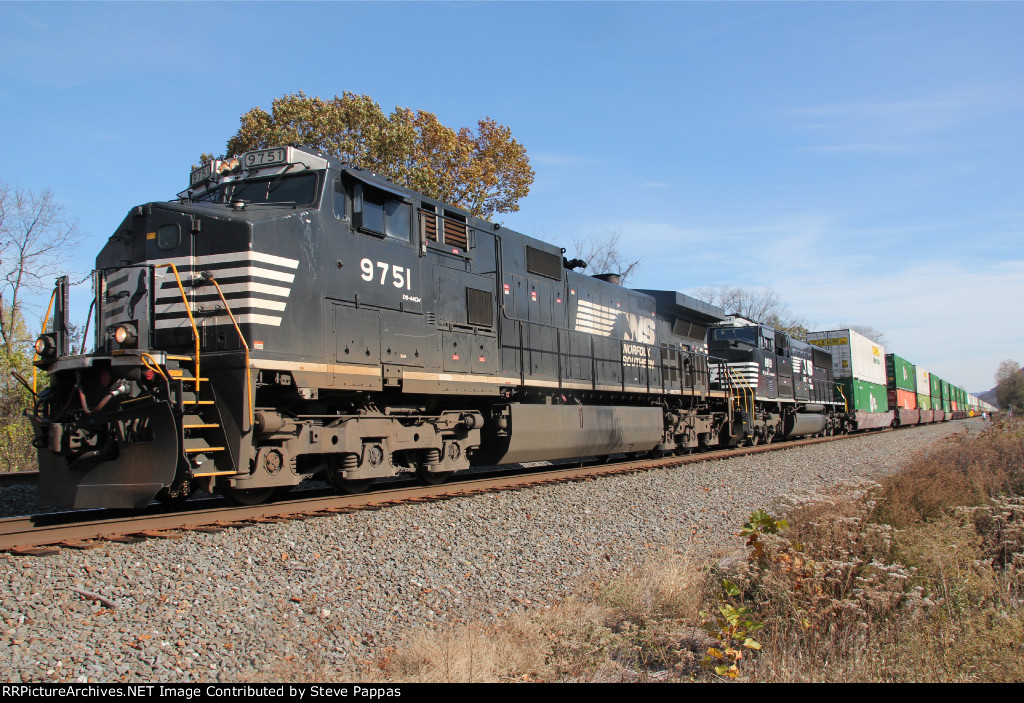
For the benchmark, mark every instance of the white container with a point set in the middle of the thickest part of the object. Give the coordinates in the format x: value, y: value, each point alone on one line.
x: 924, y: 380
x: 853, y: 354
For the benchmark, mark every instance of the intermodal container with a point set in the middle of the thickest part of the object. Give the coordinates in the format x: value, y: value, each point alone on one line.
x: 900, y: 373
x: 924, y: 382
x: 899, y: 398
x: 863, y: 395
x: 936, y: 385
x: 854, y: 356
x: 924, y: 402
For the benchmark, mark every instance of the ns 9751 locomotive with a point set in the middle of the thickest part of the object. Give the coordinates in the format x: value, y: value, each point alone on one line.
x: 290, y: 316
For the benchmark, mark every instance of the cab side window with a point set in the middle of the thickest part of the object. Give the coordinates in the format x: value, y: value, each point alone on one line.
x: 340, y: 210
x: 381, y: 213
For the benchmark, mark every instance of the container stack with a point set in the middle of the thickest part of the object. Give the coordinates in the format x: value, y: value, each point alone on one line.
x: 924, y: 389
x: 858, y: 366
x: 901, y: 382
x: 937, y: 405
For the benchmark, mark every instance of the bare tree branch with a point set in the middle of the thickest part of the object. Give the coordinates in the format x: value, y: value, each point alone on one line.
x: 603, y: 256
x: 36, y: 242
x: 763, y: 305
x: 876, y: 336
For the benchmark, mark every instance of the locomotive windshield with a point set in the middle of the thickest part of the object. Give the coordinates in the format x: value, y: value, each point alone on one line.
x: 741, y: 334
x: 297, y: 189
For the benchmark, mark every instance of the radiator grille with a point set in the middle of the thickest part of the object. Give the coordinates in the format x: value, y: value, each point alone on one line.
x: 455, y: 233
x: 480, y: 307
x: 543, y: 264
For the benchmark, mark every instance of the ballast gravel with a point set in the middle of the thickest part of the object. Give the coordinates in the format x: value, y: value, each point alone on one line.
x: 267, y: 601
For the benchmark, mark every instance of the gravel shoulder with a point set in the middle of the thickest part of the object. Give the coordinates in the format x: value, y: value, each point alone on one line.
x: 327, y: 592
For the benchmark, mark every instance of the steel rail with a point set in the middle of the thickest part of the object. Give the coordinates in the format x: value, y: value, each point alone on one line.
x: 17, y: 478
x: 79, y: 529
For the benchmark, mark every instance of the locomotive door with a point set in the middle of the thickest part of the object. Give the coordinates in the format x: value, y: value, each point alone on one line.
x: 467, y: 316
x: 356, y: 347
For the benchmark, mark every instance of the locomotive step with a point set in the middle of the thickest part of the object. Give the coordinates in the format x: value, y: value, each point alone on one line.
x: 215, y: 473
x: 194, y: 445
x: 179, y: 375
x: 199, y: 426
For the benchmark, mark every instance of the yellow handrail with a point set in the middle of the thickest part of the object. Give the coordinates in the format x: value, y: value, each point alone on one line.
x: 248, y: 390
x: 747, y: 403
x: 742, y: 381
x: 846, y: 403
x: 192, y: 320
x: 35, y: 358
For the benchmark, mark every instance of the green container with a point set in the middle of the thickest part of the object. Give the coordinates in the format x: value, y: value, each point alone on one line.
x: 862, y: 395
x: 924, y: 402
x: 936, y: 387
x: 900, y: 373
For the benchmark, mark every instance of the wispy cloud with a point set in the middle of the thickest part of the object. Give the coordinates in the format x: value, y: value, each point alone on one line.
x: 26, y: 18
x: 940, y: 301
x: 892, y: 126
x: 870, y: 148
x: 550, y: 159
x: 939, y: 314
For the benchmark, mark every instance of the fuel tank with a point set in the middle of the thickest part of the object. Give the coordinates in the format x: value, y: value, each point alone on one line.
x: 546, y: 432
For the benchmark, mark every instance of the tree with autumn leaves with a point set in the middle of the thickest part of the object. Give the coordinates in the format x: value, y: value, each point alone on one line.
x: 484, y: 171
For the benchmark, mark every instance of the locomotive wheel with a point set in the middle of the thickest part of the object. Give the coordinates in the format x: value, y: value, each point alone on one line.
x: 769, y: 437
x: 423, y: 474
x: 248, y: 496
x: 432, y: 478
x: 336, y: 477
x: 753, y: 440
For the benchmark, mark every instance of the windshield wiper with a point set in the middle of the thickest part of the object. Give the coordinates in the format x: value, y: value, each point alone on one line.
x: 275, y: 181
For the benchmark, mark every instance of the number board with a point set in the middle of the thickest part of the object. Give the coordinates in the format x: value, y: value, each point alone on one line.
x: 266, y: 157
x: 201, y: 174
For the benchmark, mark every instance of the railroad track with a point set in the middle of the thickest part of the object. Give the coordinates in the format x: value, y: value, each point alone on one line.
x: 17, y: 478
x: 39, y: 535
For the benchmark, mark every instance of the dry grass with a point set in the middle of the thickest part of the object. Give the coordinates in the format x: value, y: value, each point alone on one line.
x: 846, y: 596
x: 963, y: 470
x: 635, y: 627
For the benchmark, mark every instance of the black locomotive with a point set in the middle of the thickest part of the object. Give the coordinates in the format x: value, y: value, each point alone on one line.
x: 290, y: 316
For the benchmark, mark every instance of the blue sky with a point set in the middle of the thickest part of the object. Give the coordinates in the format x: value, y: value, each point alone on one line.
x: 862, y: 159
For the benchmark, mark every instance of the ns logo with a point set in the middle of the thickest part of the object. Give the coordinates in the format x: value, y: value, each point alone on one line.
x: 639, y: 329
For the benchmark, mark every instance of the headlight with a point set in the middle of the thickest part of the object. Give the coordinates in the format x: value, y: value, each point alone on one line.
x: 125, y: 335
x: 46, y: 346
